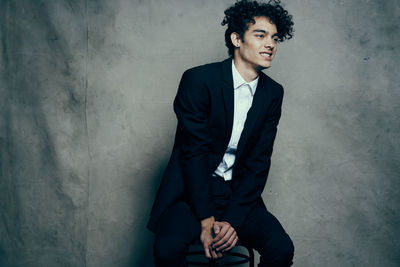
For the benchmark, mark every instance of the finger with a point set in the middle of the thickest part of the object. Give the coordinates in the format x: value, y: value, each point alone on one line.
x: 228, y: 243
x: 221, y: 234
x: 233, y: 244
x: 213, y: 253
x: 207, y: 250
x: 218, y: 254
x: 217, y: 228
x: 227, y: 236
x: 223, y: 239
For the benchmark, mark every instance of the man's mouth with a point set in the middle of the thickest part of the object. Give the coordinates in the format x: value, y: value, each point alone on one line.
x: 266, y: 55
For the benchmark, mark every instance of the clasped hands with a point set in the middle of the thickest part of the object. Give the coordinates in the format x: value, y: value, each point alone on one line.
x: 224, y: 240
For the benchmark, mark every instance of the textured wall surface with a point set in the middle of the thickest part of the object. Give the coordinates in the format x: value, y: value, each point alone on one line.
x: 86, y: 127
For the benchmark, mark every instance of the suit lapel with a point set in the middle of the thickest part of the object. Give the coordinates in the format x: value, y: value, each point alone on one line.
x: 227, y: 92
x: 258, y: 105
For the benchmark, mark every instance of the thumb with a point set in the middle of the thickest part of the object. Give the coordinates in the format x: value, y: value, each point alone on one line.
x: 217, y: 228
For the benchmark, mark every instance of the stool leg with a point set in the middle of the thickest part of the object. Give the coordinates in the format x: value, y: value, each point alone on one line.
x: 251, y: 256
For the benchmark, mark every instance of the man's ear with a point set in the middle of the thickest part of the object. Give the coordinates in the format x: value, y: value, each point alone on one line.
x: 235, y: 39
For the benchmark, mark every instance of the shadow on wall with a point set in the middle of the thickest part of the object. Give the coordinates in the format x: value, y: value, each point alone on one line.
x: 42, y: 107
x: 3, y: 259
x: 143, y: 240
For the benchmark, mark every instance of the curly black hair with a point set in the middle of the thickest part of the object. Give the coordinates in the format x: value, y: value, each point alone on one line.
x: 239, y: 15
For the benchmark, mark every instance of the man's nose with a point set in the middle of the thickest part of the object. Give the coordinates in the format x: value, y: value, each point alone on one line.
x: 269, y: 44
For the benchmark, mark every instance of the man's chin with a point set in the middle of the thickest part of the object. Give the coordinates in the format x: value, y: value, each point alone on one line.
x: 263, y: 67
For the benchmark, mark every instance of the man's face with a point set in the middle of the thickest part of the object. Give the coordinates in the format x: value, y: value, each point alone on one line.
x: 259, y: 45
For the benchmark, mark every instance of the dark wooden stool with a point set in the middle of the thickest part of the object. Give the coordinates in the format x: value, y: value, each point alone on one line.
x: 242, y: 258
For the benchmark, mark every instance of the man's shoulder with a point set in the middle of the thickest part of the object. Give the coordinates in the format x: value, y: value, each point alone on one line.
x: 208, y: 66
x: 205, y: 71
x: 269, y: 80
x: 272, y: 84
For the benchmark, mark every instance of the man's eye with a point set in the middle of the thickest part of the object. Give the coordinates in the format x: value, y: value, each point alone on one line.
x: 259, y: 36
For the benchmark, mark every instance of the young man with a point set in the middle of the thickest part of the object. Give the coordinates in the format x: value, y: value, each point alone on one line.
x: 228, y: 114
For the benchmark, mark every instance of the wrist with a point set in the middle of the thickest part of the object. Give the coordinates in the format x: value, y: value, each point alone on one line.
x: 207, y: 223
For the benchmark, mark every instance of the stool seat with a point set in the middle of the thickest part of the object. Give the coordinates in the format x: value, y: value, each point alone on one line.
x: 241, y: 258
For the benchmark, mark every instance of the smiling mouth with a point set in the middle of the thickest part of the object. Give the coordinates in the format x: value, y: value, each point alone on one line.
x: 266, y: 55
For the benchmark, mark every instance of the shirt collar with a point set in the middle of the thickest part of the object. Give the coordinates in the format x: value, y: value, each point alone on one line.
x: 238, y: 80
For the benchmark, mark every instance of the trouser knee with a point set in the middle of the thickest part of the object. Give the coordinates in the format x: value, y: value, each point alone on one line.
x: 281, y: 255
x: 169, y: 250
x: 286, y: 252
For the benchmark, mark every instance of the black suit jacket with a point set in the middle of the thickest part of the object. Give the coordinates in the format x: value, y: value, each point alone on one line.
x: 204, y: 109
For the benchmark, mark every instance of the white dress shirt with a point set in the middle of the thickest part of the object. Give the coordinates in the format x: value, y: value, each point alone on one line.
x: 243, y: 97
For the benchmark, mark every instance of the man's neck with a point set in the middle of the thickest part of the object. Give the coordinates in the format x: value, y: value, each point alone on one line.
x: 246, y: 71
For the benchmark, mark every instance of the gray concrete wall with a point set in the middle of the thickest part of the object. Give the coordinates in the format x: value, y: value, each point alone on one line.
x: 86, y: 127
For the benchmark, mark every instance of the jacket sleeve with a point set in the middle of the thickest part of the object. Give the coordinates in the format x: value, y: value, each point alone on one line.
x: 191, y: 106
x: 253, y: 170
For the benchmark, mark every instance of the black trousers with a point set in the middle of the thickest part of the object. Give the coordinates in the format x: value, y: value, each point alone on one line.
x: 178, y: 227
